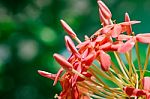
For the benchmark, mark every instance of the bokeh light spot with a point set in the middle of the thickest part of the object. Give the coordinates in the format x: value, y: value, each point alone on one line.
x: 47, y: 35
x: 27, y: 49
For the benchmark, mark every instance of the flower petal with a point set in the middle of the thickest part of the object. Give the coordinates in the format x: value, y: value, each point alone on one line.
x: 134, y: 92
x: 146, y: 83
x: 83, y: 44
x: 85, y: 97
x: 116, y: 30
x: 89, y: 59
x: 105, y: 60
x: 143, y: 38
x: 127, y: 46
x: 129, y: 28
x: 106, y: 29
x: 123, y: 37
x: 106, y: 46
x: 85, y: 53
x: 116, y: 45
x: 75, y: 77
x: 57, y: 76
x: 129, y: 23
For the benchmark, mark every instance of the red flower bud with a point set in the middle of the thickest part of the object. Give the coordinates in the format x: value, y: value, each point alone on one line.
x: 68, y: 29
x: 47, y: 75
x: 103, y: 20
x: 63, y: 62
x: 104, y: 10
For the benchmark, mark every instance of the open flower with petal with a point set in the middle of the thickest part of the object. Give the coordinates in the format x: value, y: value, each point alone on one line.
x: 131, y: 40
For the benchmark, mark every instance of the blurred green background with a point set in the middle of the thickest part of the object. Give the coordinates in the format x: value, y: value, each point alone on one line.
x: 30, y: 32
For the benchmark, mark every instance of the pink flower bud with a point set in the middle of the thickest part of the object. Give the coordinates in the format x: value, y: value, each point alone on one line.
x: 103, y: 20
x: 68, y: 29
x: 47, y: 75
x: 63, y: 62
x: 104, y: 10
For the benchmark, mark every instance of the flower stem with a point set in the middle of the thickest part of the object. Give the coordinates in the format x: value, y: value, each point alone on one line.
x: 121, y: 65
x: 138, y: 57
x: 146, y: 60
x: 77, y: 40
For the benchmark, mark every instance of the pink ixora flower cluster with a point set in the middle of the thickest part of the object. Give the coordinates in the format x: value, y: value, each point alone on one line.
x: 80, y: 75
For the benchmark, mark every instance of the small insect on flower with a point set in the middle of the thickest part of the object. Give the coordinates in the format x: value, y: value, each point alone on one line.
x: 93, y: 37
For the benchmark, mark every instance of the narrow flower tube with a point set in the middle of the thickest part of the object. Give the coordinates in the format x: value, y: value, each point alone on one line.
x: 63, y: 62
x: 68, y: 29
